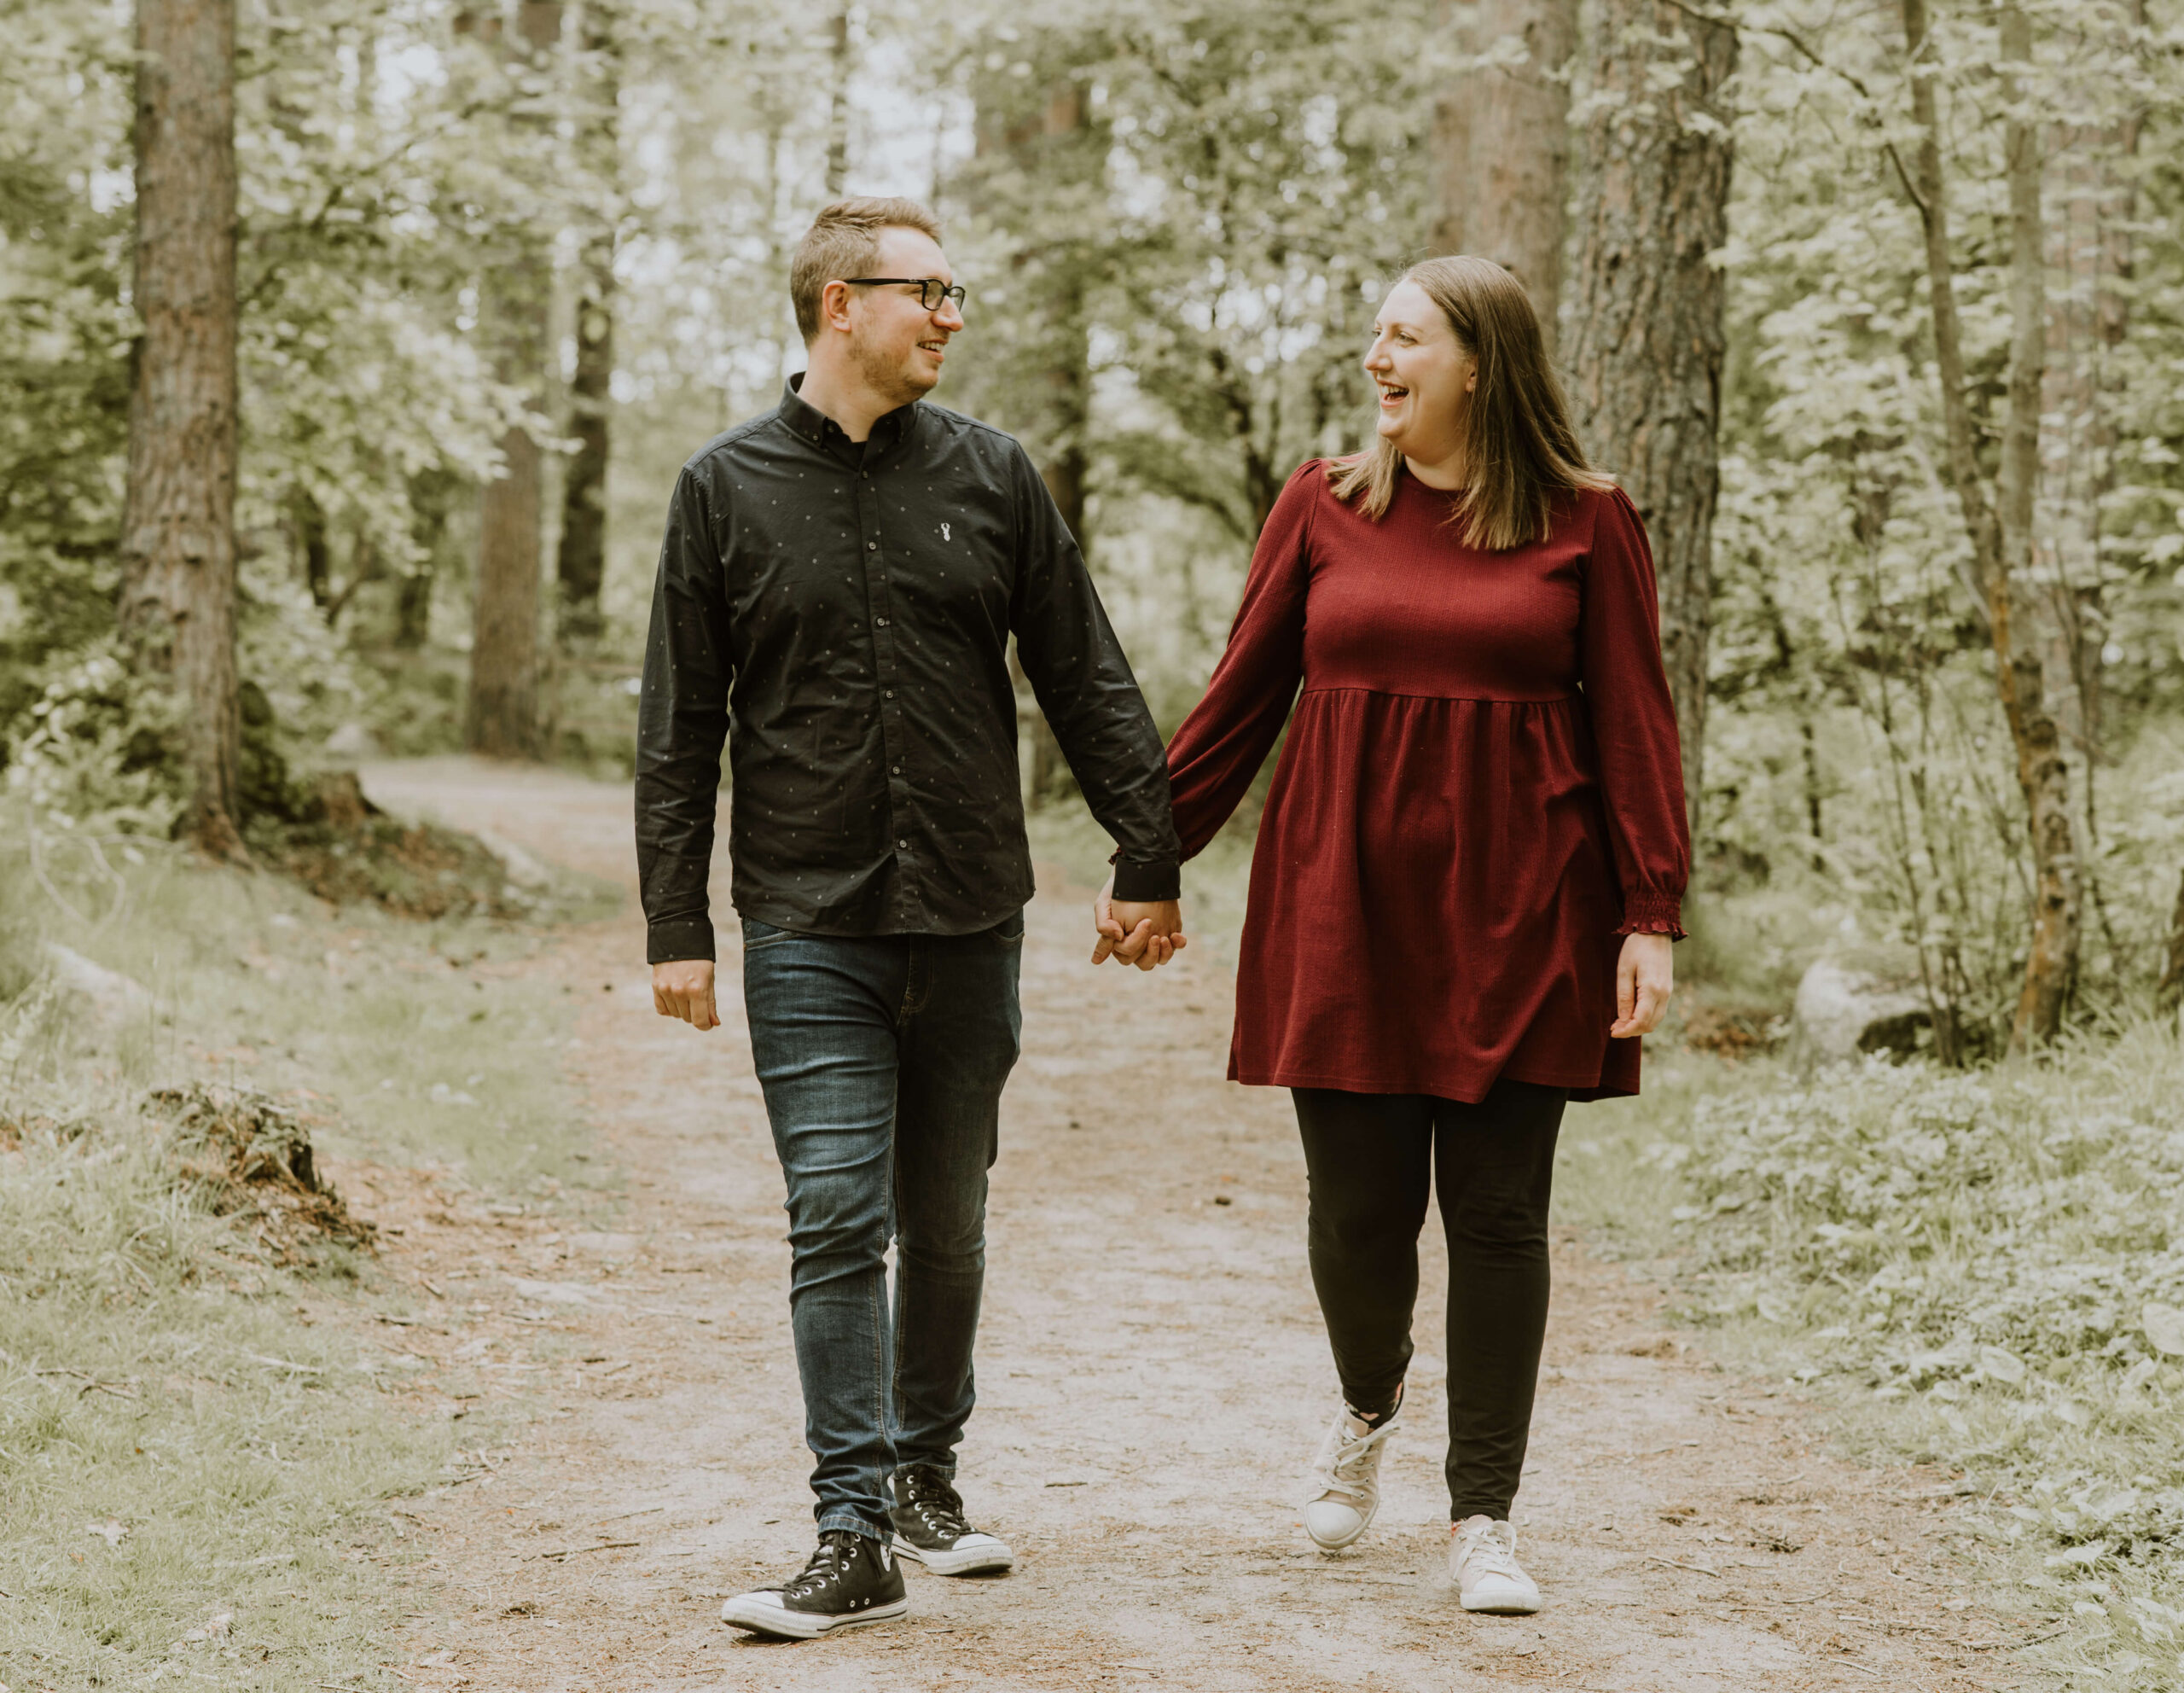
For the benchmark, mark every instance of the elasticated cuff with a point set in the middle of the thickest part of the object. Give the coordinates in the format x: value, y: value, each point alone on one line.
x: 1653, y: 914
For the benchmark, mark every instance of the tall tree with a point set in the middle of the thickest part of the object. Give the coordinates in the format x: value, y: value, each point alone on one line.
x: 502, y: 718
x: 1502, y: 146
x: 2000, y: 528
x: 177, y: 534
x: 1039, y: 153
x: 839, y: 63
x: 582, y: 566
x: 1646, y: 339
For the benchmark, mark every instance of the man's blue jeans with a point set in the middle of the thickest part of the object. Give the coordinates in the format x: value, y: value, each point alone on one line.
x: 883, y: 1059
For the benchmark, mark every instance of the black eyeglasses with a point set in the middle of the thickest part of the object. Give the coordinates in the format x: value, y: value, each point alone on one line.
x: 931, y: 290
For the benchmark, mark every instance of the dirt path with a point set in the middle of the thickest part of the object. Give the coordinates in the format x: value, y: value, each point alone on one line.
x: 1153, y: 1377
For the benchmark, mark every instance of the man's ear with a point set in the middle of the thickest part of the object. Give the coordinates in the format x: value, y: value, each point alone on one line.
x: 834, y: 306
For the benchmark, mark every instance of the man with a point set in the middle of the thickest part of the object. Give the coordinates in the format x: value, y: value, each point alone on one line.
x: 836, y: 592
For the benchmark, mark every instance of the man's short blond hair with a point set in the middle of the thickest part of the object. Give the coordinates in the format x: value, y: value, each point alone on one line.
x: 842, y: 243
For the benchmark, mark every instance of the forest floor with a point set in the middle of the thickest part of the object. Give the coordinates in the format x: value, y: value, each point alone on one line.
x: 1154, y: 1377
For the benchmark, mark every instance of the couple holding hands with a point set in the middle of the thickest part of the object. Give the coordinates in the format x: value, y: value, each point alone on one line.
x: 1467, y: 877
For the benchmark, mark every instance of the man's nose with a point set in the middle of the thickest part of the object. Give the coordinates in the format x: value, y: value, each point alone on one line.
x: 949, y: 318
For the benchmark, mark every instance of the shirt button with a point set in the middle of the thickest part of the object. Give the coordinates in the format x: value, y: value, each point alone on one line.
x: 872, y: 546
x: 904, y: 845
x: 898, y: 771
x: 889, y: 694
x: 880, y: 621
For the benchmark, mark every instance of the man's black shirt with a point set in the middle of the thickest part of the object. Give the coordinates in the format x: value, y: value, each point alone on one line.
x: 840, y: 613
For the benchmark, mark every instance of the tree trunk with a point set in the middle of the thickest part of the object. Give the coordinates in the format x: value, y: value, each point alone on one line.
x: 1645, y: 347
x: 2090, y: 247
x: 1501, y: 146
x: 581, y: 566
x: 2001, y: 539
x: 1050, y: 146
x: 177, y: 604
x: 502, y: 719
x: 838, y: 101
x: 2170, y: 993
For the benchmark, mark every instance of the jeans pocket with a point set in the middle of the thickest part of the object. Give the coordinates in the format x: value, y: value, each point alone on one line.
x: 1009, y: 931
x: 757, y: 934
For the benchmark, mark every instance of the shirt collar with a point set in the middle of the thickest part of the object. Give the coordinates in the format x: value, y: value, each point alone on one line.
x: 822, y: 431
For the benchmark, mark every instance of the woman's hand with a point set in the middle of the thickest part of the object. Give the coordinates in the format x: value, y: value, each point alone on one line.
x: 1644, y: 977
x: 1145, y: 935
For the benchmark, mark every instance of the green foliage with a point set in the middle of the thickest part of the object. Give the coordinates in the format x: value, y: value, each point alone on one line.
x: 1978, y: 1269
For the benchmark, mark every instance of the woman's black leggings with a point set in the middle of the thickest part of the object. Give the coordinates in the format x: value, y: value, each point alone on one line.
x: 1372, y: 1157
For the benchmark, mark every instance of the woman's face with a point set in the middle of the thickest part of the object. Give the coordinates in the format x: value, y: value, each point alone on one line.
x: 1423, y: 375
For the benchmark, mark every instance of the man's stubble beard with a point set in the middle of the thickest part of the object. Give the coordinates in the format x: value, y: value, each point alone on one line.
x: 888, y: 377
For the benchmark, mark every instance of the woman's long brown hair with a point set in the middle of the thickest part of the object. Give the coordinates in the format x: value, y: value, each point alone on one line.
x: 1523, y: 454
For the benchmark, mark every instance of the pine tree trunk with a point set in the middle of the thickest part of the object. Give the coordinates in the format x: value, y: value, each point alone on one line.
x: 581, y: 566
x: 1050, y: 144
x: 502, y: 719
x: 177, y: 604
x: 1643, y: 333
x: 1501, y: 146
x: 2002, y: 538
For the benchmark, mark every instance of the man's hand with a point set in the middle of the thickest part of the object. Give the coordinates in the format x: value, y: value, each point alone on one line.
x: 1644, y: 977
x: 1147, y: 934
x: 684, y: 989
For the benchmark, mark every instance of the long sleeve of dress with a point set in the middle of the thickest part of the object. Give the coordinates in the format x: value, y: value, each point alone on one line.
x: 1226, y: 738
x: 1634, y: 722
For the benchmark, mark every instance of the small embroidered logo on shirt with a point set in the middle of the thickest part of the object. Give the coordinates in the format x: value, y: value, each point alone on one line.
x: 944, y: 532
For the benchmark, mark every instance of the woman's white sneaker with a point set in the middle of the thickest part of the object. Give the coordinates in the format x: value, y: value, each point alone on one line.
x: 1482, y: 1563
x: 1346, y: 1484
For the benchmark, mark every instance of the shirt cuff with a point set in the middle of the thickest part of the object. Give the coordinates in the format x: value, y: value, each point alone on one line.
x: 1653, y: 914
x: 1148, y: 883
x: 672, y: 939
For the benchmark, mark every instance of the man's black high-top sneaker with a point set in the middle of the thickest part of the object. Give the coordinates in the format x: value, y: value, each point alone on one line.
x: 929, y: 1526
x: 851, y: 1582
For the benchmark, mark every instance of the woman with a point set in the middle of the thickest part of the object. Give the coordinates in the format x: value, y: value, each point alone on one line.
x: 1469, y: 872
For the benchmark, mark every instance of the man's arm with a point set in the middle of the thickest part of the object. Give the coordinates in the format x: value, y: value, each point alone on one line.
x: 1085, y: 686
x: 682, y: 722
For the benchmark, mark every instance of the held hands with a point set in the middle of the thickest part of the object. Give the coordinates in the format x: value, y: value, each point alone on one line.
x: 684, y: 989
x: 1644, y: 977
x: 1145, y: 934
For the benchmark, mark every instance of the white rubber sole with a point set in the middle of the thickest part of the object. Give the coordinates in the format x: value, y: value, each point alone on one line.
x: 1502, y: 1606
x: 1347, y: 1541
x: 756, y: 1616
x: 975, y: 1559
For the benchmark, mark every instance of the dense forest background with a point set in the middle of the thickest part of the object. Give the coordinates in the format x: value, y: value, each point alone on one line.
x: 497, y: 270
x: 349, y: 348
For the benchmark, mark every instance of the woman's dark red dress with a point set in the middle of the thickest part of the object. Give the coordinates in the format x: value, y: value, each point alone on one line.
x: 1480, y: 795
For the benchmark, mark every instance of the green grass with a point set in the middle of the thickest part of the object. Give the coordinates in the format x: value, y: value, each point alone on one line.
x: 1958, y: 1267
x: 157, y: 1379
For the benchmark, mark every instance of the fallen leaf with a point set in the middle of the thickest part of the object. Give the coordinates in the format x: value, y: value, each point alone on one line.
x: 2164, y: 1327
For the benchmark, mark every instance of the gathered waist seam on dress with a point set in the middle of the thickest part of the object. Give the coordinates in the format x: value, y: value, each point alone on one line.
x: 1452, y: 699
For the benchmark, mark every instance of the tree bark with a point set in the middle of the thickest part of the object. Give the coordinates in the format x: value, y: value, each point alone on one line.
x: 1501, y: 146
x: 2002, y: 538
x: 838, y: 100
x: 581, y: 566
x: 501, y: 716
x: 1644, y: 318
x: 177, y: 602
x: 1049, y: 146
x: 2169, y: 994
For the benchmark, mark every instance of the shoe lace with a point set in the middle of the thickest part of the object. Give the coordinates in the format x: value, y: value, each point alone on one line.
x: 830, y: 1563
x: 938, y: 1505
x: 1346, y: 1463
x: 1491, y: 1550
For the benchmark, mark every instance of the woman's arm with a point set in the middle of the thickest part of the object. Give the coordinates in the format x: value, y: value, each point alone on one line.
x: 1227, y: 737
x: 1634, y: 722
